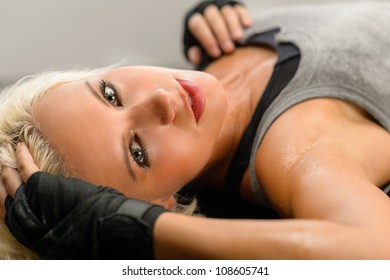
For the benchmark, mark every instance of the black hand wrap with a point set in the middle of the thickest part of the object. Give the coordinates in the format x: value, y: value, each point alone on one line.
x: 188, y: 39
x: 67, y: 218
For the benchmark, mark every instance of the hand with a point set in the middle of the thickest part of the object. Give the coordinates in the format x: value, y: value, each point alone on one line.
x: 67, y: 218
x: 216, y: 26
x: 12, y: 179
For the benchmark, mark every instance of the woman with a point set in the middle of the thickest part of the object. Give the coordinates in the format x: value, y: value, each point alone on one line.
x: 319, y: 139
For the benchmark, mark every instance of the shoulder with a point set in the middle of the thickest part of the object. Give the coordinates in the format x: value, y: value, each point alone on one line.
x: 316, y: 152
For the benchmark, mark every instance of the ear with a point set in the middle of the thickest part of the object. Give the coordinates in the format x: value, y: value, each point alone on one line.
x: 167, y: 203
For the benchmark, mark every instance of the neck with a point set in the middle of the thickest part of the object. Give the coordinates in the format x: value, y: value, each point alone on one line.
x: 244, y: 75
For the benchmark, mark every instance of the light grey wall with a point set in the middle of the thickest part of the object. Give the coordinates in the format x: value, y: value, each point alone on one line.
x: 38, y: 35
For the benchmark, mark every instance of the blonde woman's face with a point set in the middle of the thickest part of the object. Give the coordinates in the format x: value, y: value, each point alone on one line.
x: 145, y: 131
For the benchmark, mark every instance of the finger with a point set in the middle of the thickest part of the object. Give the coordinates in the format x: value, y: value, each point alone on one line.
x: 195, y: 55
x: 219, y: 28
x: 25, y: 161
x: 10, y: 179
x: 3, y: 195
x: 244, y: 16
x: 233, y: 22
x: 199, y: 27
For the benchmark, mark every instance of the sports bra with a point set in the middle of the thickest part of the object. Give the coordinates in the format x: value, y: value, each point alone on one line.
x: 284, y: 70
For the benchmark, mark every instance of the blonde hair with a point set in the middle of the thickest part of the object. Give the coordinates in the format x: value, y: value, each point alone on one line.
x: 17, y: 125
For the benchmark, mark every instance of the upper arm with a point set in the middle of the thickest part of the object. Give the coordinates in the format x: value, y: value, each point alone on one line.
x: 323, y: 165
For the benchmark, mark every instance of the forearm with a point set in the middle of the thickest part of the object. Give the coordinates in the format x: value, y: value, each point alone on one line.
x: 182, y: 237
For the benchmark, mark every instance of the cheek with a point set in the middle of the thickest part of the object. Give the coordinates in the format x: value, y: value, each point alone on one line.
x: 181, y: 160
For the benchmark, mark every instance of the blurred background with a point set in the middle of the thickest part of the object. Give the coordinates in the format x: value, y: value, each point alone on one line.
x: 52, y: 34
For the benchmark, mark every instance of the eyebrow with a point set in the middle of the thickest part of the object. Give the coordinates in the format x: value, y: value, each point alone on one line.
x: 95, y: 94
x: 124, y: 142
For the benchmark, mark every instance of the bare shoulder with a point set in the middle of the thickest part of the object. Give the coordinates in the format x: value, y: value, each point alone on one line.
x: 325, y: 158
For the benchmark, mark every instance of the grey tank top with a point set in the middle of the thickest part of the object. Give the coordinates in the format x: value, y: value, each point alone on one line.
x: 345, y: 54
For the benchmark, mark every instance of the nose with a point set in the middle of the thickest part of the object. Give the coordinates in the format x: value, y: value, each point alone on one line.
x: 160, y: 106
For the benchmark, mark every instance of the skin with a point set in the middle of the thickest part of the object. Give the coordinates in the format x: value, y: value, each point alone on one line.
x: 218, y: 30
x: 152, y: 106
x: 320, y: 163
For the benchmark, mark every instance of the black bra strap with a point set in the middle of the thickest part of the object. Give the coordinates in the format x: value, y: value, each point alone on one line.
x: 285, y: 68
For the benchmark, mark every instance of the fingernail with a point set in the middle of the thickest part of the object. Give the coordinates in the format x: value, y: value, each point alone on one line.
x: 19, y: 145
x: 194, y: 55
x: 228, y: 46
x: 237, y: 34
x: 215, y: 52
x: 247, y: 22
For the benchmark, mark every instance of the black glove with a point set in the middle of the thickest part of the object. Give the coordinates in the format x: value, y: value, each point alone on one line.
x: 188, y: 39
x: 67, y: 218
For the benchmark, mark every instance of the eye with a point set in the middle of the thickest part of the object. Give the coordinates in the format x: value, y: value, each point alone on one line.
x: 109, y: 93
x: 138, y: 152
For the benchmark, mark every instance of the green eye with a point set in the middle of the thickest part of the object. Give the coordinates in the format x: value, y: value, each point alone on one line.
x: 109, y: 93
x: 138, y: 152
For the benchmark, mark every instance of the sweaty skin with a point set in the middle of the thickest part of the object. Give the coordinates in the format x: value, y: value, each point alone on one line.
x: 321, y: 163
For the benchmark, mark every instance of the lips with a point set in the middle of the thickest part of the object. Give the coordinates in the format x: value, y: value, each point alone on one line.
x: 196, y: 100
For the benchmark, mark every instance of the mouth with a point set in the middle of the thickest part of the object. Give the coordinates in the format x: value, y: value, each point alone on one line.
x: 196, y: 99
